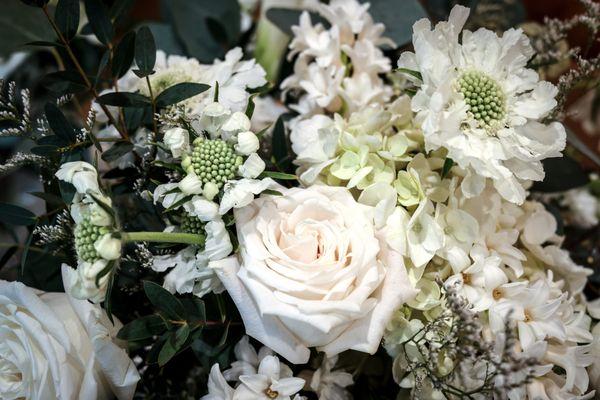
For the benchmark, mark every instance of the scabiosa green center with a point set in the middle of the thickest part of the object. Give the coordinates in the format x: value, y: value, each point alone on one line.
x: 191, y: 224
x: 215, y: 161
x: 86, y: 235
x: 484, y: 97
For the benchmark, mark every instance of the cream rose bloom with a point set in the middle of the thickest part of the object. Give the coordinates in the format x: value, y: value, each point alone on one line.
x: 53, y: 346
x: 314, y: 272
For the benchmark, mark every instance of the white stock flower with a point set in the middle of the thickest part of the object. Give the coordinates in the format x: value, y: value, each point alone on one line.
x: 241, y: 193
x: 53, y: 346
x: 479, y: 101
x: 248, y: 360
x: 270, y: 382
x: 338, y: 68
x: 313, y: 273
x: 328, y: 384
x: 81, y: 174
x: 177, y: 140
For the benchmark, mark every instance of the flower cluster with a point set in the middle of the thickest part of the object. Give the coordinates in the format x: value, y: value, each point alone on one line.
x: 338, y: 69
x: 96, y: 239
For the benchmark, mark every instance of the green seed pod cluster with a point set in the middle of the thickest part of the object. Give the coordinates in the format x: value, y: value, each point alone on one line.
x: 86, y: 234
x: 484, y: 97
x: 215, y: 161
x: 191, y: 224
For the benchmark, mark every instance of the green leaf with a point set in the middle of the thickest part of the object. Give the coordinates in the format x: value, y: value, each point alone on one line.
x: 272, y: 192
x: 398, y: 17
x: 250, y: 107
x: 124, y: 99
x: 179, y: 92
x: 174, y: 343
x: 145, y: 52
x: 164, y: 301
x: 66, y: 17
x: 413, y: 73
x: 285, y: 18
x: 99, y: 20
x: 44, y: 43
x: 563, y: 173
x: 205, y: 27
x: 278, y: 175
x: 118, y: 150
x: 59, y: 124
x: 123, y: 55
x: 108, y: 298
x: 36, y: 3
x: 279, y: 143
x: 50, y: 198
x: 110, y: 266
x: 20, y: 24
x: 195, y: 309
x: 142, y: 328
x: 165, y: 38
x: 64, y: 82
x: 8, y: 254
x: 15, y: 215
x: 448, y: 163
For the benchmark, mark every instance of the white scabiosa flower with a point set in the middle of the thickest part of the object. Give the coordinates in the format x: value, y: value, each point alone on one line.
x: 95, y: 234
x: 80, y: 174
x: 478, y: 100
x: 177, y: 140
x: 223, y: 152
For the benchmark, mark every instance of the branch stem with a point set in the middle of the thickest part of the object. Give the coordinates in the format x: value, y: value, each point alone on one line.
x: 165, y: 237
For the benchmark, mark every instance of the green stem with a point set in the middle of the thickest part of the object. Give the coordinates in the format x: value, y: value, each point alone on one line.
x: 165, y: 237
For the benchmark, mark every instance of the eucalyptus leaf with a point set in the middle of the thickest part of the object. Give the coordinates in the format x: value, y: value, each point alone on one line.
x: 118, y: 150
x: 142, y: 328
x: 99, y: 20
x: 16, y: 215
x: 123, y: 55
x: 59, y: 124
x: 164, y: 301
x: 20, y: 24
x: 66, y: 17
x: 179, y: 92
x: 124, y: 99
x: 145, y: 52
x: 194, y: 22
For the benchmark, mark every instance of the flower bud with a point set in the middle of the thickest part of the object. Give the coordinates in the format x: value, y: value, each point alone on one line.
x: 177, y: 140
x: 191, y: 184
x: 252, y: 167
x: 108, y: 247
x: 247, y: 143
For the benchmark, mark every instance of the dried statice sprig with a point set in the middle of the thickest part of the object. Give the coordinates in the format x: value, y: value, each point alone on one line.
x: 88, y: 126
x: 549, y: 51
x: 176, y: 116
x: 585, y: 69
x: 141, y: 255
x: 58, y: 235
x: 15, y: 110
x: 450, y: 355
x: 23, y: 159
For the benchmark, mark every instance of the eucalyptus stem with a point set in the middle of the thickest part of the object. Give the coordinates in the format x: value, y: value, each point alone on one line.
x: 153, y: 107
x: 81, y: 72
x: 164, y: 237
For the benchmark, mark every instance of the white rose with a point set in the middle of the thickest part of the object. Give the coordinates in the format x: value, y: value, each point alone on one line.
x: 314, y: 273
x: 53, y: 346
x: 177, y: 140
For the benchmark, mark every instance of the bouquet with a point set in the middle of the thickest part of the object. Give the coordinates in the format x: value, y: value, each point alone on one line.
x: 260, y: 202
